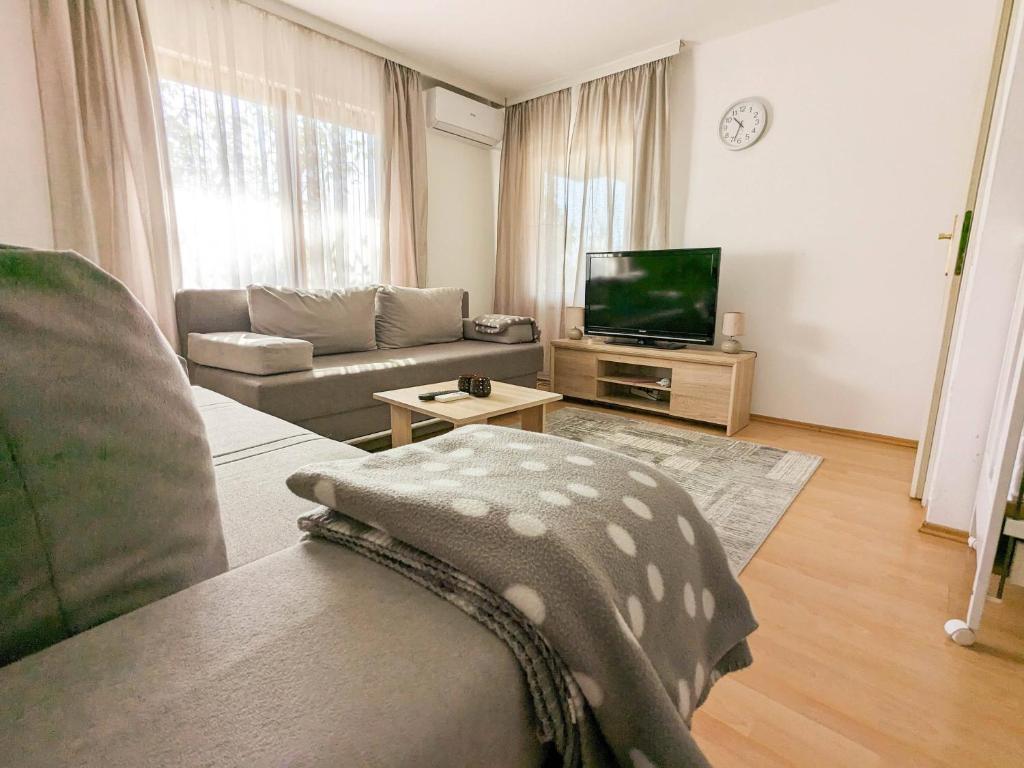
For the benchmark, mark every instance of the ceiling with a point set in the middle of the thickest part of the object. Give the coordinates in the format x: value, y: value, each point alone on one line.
x: 512, y: 48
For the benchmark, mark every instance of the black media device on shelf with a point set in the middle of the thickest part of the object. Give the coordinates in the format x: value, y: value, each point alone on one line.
x: 653, y: 297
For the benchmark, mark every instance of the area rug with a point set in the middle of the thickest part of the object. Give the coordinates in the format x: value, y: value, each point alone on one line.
x: 742, y: 488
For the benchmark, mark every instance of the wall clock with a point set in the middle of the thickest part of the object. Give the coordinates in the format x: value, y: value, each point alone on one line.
x: 743, y: 123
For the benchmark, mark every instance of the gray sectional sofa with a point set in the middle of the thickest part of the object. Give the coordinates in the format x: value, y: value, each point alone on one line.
x: 335, y: 398
x: 158, y: 607
x: 304, y: 653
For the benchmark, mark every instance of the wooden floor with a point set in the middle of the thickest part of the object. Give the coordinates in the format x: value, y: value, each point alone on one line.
x: 851, y: 665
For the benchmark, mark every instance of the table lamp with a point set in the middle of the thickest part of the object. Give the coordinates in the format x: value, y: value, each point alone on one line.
x: 574, y: 322
x: 733, y: 324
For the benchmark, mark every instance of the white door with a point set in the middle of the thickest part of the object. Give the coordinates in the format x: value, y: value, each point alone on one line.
x: 987, y: 355
x: 957, y: 254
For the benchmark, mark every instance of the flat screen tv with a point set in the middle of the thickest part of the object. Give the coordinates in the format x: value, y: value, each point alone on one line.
x: 668, y: 295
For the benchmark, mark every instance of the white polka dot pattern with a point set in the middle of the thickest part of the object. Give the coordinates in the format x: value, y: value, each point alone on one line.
x: 399, y: 487
x: 640, y: 760
x: 323, y: 490
x: 581, y: 461
x: 687, y: 530
x: 690, y: 600
x: 698, y: 681
x: 708, y: 601
x: 591, y: 690
x: 545, y: 507
x: 470, y: 507
x: 655, y: 582
x: 684, y: 699
x: 526, y: 525
x: 526, y: 600
x: 637, y: 507
x: 622, y: 539
x: 643, y: 479
x: 556, y: 498
x: 636, y: 615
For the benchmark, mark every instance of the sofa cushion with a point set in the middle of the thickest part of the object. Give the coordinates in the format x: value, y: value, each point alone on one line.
x: 410, y: 317
x: 332, y: 321
x: 314, y: 657
x: 253, y: 455
x: 250, y: 352
x: 106, y: 482
x: 341, y: 383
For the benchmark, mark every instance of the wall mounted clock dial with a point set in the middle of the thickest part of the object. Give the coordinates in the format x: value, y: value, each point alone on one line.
x: 743, y: 123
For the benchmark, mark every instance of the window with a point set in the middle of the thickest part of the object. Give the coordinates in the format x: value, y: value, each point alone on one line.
x: 261, y: 198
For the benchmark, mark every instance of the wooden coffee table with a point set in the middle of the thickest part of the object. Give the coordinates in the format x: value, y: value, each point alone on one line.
x: 504, y: 398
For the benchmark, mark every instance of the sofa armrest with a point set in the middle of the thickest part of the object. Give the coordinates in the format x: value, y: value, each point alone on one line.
x: 514, y: 334
x: 250, y: 352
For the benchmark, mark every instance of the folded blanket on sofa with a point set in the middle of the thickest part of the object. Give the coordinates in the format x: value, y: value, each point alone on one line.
x: 596, y: 569
x: 500, y: 323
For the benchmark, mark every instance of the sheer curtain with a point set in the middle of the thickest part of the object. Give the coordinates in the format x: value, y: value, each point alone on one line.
x: 532, y: 204
x: 276, y: 137
x: 618, y: 169
x: 106, y: 164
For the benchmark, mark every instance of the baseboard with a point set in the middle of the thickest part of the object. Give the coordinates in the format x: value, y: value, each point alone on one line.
x: 889, y: 439
x: 944, y: 532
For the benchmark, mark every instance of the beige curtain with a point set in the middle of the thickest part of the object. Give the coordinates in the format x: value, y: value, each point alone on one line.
x: 529, y: 277
x: 618, y: 168
x: 105, y: 147
x: 404, y: 251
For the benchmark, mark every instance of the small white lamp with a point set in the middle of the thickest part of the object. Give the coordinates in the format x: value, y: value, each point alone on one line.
x: 574, y: 322
x: 733, y: 324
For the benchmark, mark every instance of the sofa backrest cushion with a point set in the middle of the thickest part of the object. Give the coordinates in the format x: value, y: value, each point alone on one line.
x: 210, y: 310
x: 332, y: 321
x: 107, y: 493
x: 410, y: 317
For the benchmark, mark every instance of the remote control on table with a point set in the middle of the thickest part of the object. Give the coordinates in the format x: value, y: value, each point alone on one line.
x: 451, y: 396
x: 435, y: 395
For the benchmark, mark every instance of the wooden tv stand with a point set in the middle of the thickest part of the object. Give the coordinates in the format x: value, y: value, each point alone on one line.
x: 706, y: 385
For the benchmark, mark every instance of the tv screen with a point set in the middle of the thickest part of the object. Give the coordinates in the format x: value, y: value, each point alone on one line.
x: 668, y: 295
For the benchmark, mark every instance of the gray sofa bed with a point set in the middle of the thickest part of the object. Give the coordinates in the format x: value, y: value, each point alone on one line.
x: 305, y: 653
x: 335, y: 399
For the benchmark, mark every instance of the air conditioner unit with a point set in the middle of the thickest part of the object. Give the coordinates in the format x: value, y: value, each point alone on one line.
x: 453, y: 113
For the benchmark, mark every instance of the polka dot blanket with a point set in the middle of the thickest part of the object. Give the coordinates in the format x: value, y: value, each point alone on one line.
x: 596, y: 570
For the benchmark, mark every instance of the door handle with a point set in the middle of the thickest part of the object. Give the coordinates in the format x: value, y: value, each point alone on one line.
x: 951, y: 248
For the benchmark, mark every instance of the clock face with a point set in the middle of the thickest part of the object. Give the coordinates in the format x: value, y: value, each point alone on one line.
x: 743, y: 123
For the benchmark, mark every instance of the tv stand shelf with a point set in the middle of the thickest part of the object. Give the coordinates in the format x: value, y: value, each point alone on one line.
x: 706, y: 385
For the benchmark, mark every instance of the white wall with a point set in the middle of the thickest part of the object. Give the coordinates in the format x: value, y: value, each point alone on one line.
x: 24, y: 193
x: 828, y: 226
x: 460, y: 218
